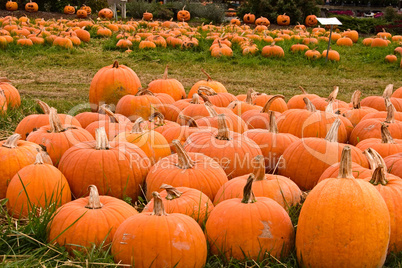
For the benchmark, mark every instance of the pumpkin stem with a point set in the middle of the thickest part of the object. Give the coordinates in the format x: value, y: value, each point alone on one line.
x: 102, y: 143
x: 345, y: 166
x: 172, y: 193
x: 267, y: 105
x: 206, y: 90
x: 144, y: 91
x: 54, y: 120
x: 184, y: 160
x: 332, y: 135
x: 93, y: 198
x: 205, y: 98
x: 115, y: 64
x: 195, y: 99
x: 108, y: 112
x: 356, y: 99
x: 309, y: 106
x: 303, y: 90
x: 12, y: 141
x: 386, y: 135
x: 390, y: 111
x: 207, y: 74
x: 157, y: 118
x: 249, y: 98
x: 259, y: 169
x: 5, y: 79
x: 333, y: 94
x: 370, y: 158
x: 189, y: 120
x: 137, y: 128
x: 212, y: 112
x: 273, y: 127
x: 223, y: 130
x: 165, y: 74
x: 248, y: 195
x: 39, y: 159
x: 388, y: 91
x: 159, y: 208
x: 379, y: 176
x: 44, y: 106
x: 330, y: 107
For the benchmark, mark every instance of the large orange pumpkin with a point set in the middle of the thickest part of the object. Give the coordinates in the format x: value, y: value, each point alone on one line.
x: 297, y: 101
x: 90, y: 221
x: 11, y: 93
x: 36, y: 186
x: 169, y: 86
x: 105, y: 13
x: 283, y: 20
x: 221, y: 99
x: 262, y: 227
x: 116, y: 169
x: 11, y: 6
x: 365, y: 222
x: 215, y: 85
x: 179, y: 241
x: 111, y: 83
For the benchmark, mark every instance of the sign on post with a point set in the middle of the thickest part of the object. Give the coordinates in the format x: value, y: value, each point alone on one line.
x: 331, y: 22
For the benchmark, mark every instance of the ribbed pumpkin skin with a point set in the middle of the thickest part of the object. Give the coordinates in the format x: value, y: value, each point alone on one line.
x: 181, y: 133
x: 192, y: 203
x: 235, y: 155
x: 118, y: 171
x: 272, y: 145
x: 382, y: 115
x: 278, y: 105
x: 371, y: 128
x: 91, y: 226
x: 394, y: 164
x: 234, y: 122
x: 206, y: 176
x: 43, y: 183
x: 384, y: 149
x: 305, y: 160
x: 378, y: 103
x: 13, y: 160
x: 147, y: 241
x: 58, y: 143
x: 222, y: 99
x: 134, y: 107
x: 87, y: 118
x: 260, y: 227
x: 304, y: 124
x: 172, y: 111
x: 110, y: 84
x: 12, y: 95
x: 257, y: 119
x: 296, y: 102
x: 171, y: 87
x: 215, y: 85
x: 356, y: 115
x: 321, y: 104
x: 357, y: 238
x: 112, y: 129
x: 358, y: 172
x: 281, y: 189
x: 36, y: 121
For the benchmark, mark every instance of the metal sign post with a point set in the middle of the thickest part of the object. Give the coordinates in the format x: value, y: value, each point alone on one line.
x: 331, y: 22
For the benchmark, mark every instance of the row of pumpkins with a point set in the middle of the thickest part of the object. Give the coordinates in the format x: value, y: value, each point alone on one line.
x: 221, y: 175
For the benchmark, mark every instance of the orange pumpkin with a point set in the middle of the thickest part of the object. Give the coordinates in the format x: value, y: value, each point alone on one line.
x: 215, y: 85
x: 105, y: 13
x: 249, y: 18
x: 12, y: 95
x: 69, y: 10
x: 82, y: 14
x: 183, y: 15
x: 31, y: 6
x: 273, y: 51
x: 147, y: 16
x: 283, y: 20
x: 171, y: 87
x: 88, y: 9
x: 11, y: 6
x: 311, y: 21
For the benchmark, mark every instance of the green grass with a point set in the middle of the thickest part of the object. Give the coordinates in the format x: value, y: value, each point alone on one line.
x: 62, y: 78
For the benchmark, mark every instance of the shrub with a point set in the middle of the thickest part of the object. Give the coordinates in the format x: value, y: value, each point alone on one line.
x: 298, y: 10
x: 362, y: 25
x: 137, y: 8
x: 209, y: 12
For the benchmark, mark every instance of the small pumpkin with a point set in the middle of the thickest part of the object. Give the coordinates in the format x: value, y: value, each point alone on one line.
x: 249, y: 18
x: 311, y: 21
x: 69, y: 10
x: 283, y: 20
x: 88, y: 9
x: 31, y: 6
x: 105, y: 13
x: 11, y: 6
x: 183, y: 15
x: 169, y: 86
x: 147, y: 16
x: 82, y: 14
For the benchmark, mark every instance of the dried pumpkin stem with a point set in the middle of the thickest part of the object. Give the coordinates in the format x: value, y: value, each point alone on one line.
x: 332, y: 135
x: 248, y: 195
x: 206, y: 90
x: 388, y: 91
x: 259, y: 169
x: 333, y: 94
x: 386, y: 135
x: 268, y: 104
x: 112, y: 116
x: 102, y: 142
x: 159, y: 208
x: 195, y: 99
x: 137, y: 128
x: 205, y: 98
x: 249, y: 98
x: 93, y: 198
x: 303, y: 90
x: 12, y: 141
x: 207, y: 74
x: 44, y: 106
x: 172, y: 193
x: 115, y: 64
x: 309, y: 105
x: 273, y: 127
x: 39, y: 159
x: 356, y: 99
x: 379, y: 176
x: 390, y: 111
x: 189, y: 120
x: 165, y: 74
x: 211, y: 110
x: 345, y: 166
x: 370, y: 158
x: 55, y: 123
x: 184, y: 160
x: 330, y: 107
x: 157, y: 118
x: 223, y: 130
x: 144, y: 91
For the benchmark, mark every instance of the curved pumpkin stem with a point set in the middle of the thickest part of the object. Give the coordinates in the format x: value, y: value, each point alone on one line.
x: 248, y: 195
x: 249, y: 98
x: 165, y: 74
x: 189, y: 120
x: 137, y: 128
x: 115, y: 64
x: 157, y: 118
x: 102, y: 143
x: 144, y: 91
x: 303, y: 90
x: 207, y: 74
x: 205, y: 98
x: 113, y: 118
x: 332, y: 135
x: 330, y: 107
x: 12, y: 141
x: 55, y: 123
x: 172, y: 193
x: 309, y: 105
x: 390, y: 111
x: 93, y: 198
x: 184, y: 160
x: 223, y: 130
x: 39, y: 159
x: 379, y: 176
x: 211, y: 110
x: 44, y: 106
x: 206, y: 90
x: 356, y: 99
x: 388, y: 91
x: 267, y: 105
x: 371, y: 158
x: 195, y: 99
x: 159, y: 208
x: 345, y: 166
x: 386, y: 135
x: 259, y: 169
x: 333, y: 94
x: 273, y: 127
